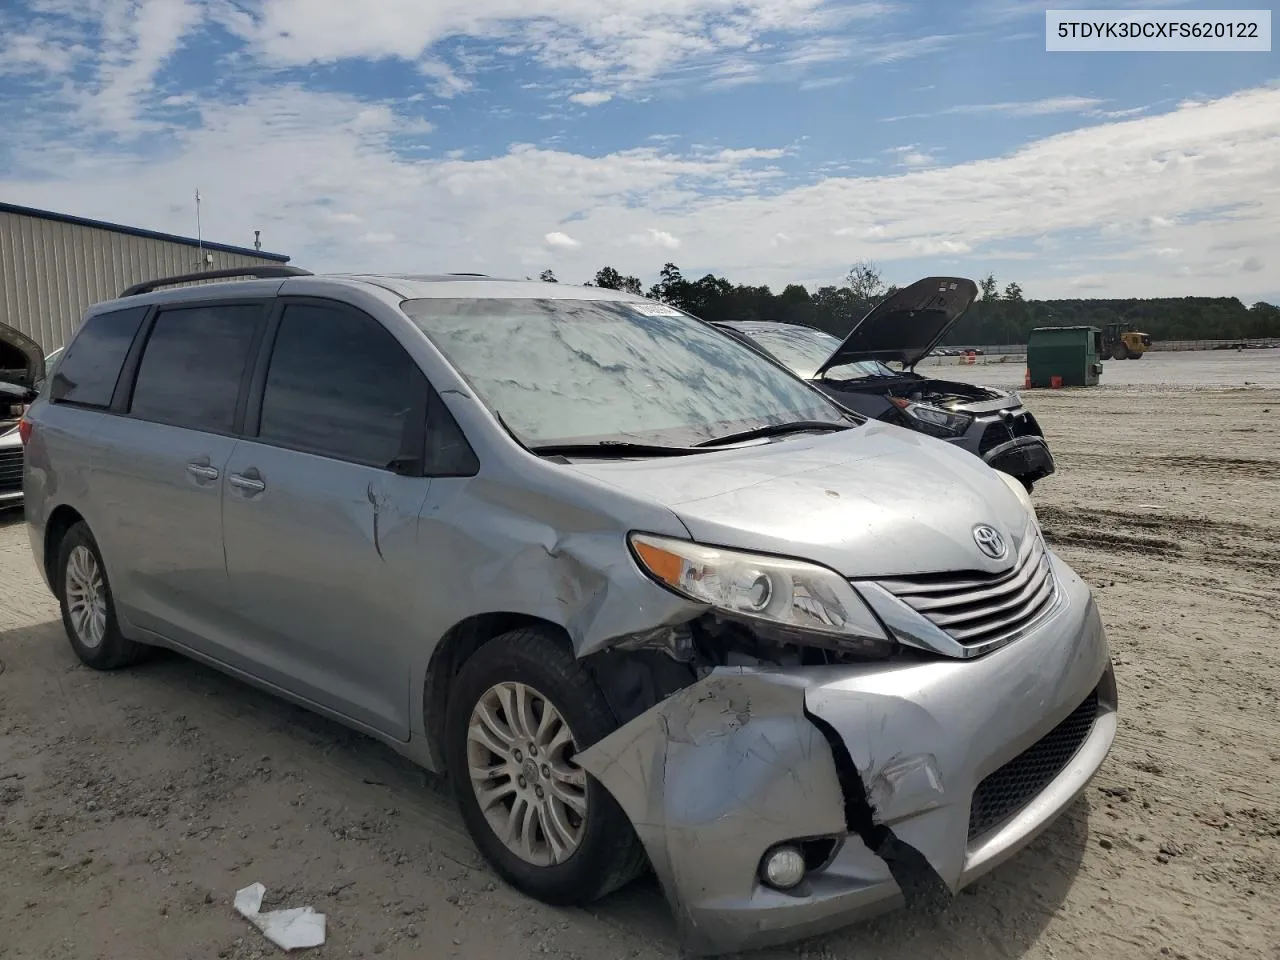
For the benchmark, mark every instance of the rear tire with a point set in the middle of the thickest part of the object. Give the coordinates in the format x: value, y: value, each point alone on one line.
x: 570, y: 843
x: 88, y: 607
x: 1119, y: 352
x: 1136, y: 356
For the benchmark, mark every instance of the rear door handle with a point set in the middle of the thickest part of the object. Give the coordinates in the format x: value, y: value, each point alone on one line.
x: 202, y: 471
x: 248, y: 484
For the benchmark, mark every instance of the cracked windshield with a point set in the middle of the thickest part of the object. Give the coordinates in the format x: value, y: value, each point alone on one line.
x: 581, y: 371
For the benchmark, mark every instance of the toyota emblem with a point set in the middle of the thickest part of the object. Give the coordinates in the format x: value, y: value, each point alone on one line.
x: 989, y: 541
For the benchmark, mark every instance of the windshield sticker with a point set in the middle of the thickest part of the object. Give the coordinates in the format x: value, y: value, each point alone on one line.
x: 655, y: 310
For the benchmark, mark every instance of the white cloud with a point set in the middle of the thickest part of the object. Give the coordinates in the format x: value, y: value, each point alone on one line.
x: 1031, y: 108
x: 138, y: 40
x: 912, y: 156
x: 940, y: 246
x: 121, y: 46
x: 660, y: 239
x: 1122, y: 114
x: 591, y: 98
x: 1013, y: 108
x: 39, y: 52
x: 631, y: 45
x: 445, y: 81
x: 1002, y: 10
x: 1113, y: 195
x: 631, y: 41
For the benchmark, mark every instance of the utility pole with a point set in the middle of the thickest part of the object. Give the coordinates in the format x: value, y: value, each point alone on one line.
x: 199, y: 235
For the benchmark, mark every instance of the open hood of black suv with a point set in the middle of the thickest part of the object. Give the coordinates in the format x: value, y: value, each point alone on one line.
x: 907, y: 325
x: 21, y: 359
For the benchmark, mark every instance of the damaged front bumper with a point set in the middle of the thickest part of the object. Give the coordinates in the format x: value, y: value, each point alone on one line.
x: 875, y: 755
x: 1027, y: 458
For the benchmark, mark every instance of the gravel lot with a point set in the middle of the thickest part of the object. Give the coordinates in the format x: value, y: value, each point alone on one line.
x: 133, y: 805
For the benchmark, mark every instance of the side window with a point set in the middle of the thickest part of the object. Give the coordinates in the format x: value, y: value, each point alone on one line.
x: 448, y: 452
x: 89, y: 368
x: 193, y: 364
x: 340, y: 386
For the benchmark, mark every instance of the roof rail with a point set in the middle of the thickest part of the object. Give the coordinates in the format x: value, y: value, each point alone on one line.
x: 260, y: 272
x: 467, y: 275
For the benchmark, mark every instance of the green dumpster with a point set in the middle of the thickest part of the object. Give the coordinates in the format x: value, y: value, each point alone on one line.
x: 1069, y: 353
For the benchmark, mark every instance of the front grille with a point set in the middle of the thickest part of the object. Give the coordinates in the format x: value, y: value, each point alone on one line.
x: 1006, y: 791
x: 10, y: 470
x: 975, y: 607
x: 1005, y: 431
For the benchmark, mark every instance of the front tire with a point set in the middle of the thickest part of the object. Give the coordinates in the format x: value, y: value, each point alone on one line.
x: 88, y: 608
x: 519, y: 711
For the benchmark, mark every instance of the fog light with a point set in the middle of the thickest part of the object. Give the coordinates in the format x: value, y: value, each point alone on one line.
x: 782, y: 867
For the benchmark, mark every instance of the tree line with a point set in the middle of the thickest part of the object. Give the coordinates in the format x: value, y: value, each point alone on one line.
x: 1000, y: 316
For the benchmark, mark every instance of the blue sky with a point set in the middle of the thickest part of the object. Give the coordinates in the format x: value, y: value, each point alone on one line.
x: 767, y: 140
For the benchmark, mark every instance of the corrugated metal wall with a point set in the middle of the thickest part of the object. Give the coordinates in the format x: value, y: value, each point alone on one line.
x: 51, y: 272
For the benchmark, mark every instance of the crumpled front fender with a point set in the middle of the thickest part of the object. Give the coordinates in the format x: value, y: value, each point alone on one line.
x: 719, y: 772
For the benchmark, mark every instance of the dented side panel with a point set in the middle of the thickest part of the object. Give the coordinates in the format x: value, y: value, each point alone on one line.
x: 503, y: 543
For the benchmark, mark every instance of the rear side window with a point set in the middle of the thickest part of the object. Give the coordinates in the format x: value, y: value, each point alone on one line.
x: 193, y: 364
x: 339, y: 385
x: 89, y: 368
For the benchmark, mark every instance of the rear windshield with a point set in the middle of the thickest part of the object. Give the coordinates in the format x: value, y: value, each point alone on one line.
x: 571, y: 371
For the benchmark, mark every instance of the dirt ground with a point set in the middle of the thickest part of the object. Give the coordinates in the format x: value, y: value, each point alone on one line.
x: 133, y: 805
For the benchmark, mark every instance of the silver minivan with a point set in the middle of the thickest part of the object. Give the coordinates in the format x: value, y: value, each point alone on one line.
x: 649, y: 599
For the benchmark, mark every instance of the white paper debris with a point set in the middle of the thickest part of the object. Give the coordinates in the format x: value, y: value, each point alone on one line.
x: 290, y: 929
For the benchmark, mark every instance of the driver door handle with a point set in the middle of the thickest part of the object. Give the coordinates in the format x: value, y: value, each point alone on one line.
x: 247, y: 484
x: 202, y: 471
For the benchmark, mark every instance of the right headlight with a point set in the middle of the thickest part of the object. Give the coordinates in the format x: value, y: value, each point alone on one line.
x: 771, y: 591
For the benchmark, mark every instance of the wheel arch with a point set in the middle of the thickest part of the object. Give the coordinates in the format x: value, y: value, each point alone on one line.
x: 62, y: 519
x: 458, y: 644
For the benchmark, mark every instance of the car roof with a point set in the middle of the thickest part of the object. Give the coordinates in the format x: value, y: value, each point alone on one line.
x: 427, y: 286
x: 400, y: 286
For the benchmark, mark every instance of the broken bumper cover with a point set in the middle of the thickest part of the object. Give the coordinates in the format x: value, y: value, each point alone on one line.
x: 1027, y: 457
x: 715, y: 775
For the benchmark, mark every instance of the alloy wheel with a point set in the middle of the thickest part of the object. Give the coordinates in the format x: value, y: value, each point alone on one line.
x: 520, y: 754
x: 86, y: 597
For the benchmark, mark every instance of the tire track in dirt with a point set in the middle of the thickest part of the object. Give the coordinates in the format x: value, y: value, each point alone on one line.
x: 1234, y: 544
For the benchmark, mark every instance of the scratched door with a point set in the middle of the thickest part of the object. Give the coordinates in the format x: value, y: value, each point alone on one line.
x: 320, y: 516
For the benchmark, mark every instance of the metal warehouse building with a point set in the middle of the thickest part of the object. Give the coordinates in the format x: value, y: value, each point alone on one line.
x: 53, y: 266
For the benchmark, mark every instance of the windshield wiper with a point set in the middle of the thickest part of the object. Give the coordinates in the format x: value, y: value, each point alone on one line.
x: 600, y: 448
x: 609, y: 448
x: 774, y: 430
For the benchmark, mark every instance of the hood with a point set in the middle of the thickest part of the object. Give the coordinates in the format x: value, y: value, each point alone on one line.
x: 874, y: 501
x: 907, y: 325
x: 21, y: 359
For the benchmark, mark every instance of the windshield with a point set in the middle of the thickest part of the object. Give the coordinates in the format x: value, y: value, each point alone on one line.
x: 578, y: 371
x: 803, y: 350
